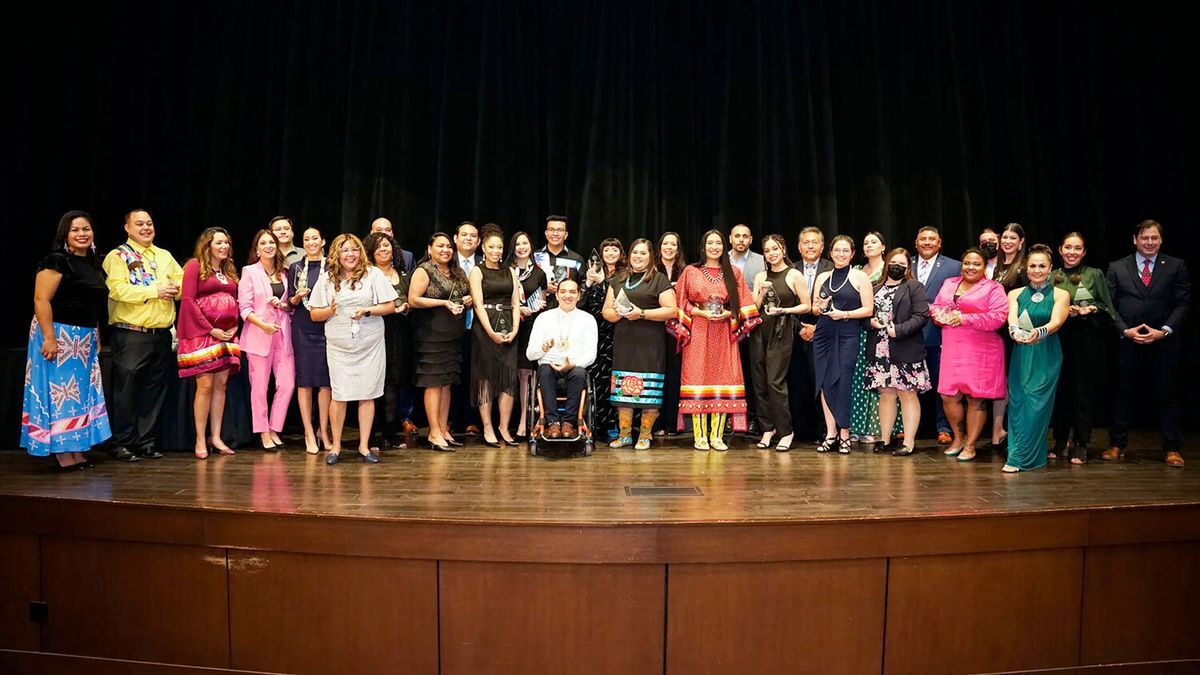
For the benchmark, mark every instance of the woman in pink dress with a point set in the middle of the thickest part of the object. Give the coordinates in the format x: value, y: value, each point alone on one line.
x: 970, y: 309
x: 208, y: 322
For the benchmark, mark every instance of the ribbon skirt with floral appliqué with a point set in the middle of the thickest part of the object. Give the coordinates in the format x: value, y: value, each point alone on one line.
x: 64, y: 407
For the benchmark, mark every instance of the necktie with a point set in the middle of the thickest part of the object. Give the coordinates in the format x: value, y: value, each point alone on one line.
x: 1146, y: 272
x: 923, y: 273
x: 467, y: 264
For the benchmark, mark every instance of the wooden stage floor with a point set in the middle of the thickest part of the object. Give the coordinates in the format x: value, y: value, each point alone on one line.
x: 484, y: 485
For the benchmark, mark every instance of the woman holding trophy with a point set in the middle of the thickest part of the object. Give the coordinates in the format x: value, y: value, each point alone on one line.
x: 716, y: 311
x: 496, y: 295
x: 781, y: 293
x: 438, y: 287
x: 639, y: 300
x: 1035, y: 313
x: 844, y: 298
x: 532, y: 279
x: 1084, y: 337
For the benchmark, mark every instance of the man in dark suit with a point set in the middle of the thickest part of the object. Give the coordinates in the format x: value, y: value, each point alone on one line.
x: 1151, y: 294
x: 932, y: 268
x: 807, y: 418
x: 464, y: 417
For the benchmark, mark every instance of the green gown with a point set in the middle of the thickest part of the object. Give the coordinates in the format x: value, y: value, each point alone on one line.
x: 1032, y: 381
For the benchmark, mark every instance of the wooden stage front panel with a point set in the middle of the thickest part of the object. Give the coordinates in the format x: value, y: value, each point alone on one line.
x: 786, y: 564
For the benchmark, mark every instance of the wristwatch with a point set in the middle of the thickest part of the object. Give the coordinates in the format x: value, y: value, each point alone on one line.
x: 367, y: 312
x: 642, y: 314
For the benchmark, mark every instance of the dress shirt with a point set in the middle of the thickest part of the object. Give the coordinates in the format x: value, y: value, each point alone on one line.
x: 924, y: 267
x: 139, y: 305
x: 577, y: 327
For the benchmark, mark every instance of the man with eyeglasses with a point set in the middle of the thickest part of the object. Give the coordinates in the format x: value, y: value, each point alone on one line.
x: 143, y: 283
x: 556, y: 260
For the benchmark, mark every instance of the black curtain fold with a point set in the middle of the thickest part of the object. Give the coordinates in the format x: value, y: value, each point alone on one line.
x: 631, y: 116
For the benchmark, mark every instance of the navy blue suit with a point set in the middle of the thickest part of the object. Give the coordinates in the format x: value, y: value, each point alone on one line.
x: 943, y: 269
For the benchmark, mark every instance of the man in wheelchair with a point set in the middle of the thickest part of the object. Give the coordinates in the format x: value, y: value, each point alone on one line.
x: 563, y: 342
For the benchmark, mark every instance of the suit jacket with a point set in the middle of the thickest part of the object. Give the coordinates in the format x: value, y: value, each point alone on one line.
x: 1163, y: 303
x: 910, y: 313
x: 254, y: 292
x: 410, y: 263
x: 943, y: 269
x: 823, y: 265
x: 755, y: 263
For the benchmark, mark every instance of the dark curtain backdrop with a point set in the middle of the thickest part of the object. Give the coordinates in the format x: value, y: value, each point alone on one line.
x: 631, y: 116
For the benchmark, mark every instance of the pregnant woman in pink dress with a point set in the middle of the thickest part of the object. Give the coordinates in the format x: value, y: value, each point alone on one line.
x: 970, y: 309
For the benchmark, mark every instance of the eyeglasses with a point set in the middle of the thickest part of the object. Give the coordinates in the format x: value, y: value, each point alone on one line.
x: 556, y: 229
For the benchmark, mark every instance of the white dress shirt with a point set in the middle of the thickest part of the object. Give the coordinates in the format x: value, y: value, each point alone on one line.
x: 577, y: 328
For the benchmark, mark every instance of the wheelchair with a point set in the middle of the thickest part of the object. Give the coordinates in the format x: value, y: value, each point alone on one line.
x: 583, y: 435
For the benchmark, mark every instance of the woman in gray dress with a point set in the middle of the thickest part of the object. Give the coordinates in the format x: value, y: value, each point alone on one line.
x: 351, y: 298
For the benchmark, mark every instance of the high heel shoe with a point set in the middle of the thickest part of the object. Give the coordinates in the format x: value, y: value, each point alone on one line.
x: 879, y: 447
x: 785, y: 443
x: 212, y: 448
x: 269, y: 448
x: 453, y: 443
x: 491, y: 444
x: 508, y: 441
x: 904, y: 451
x: 765, y: 442
x: 312, y: 449
x: 201, y: 454
x: 845, y: 445
x: 438, y: 447
x: 827, y: 445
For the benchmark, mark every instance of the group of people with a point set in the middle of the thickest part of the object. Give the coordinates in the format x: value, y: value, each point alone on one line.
x: 857, y: 353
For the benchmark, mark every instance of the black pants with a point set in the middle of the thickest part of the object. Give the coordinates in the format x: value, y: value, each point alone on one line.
x: 1080, y: 385
x: 670, y: 406
x: 548, y: 379
x: 770, y: 361
x: 931, y: 400
x: 462, y: 413
x: 748, y: 379
x: 141, y: 364
x: 1147, y: 371
x: 807, y: 418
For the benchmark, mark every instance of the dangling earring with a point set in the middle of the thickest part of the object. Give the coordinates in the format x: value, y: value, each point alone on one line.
x: 93, y: 248
x: 66, y: 247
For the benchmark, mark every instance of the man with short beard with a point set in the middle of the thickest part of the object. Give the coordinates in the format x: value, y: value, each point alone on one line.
x: 750, y: 263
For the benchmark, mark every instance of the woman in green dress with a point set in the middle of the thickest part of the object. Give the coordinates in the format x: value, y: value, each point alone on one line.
x: 1084, y: 338
x: 864, y: 403
x: 1035, y: 313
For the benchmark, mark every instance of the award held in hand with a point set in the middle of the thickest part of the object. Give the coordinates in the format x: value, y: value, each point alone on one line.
x: 770, y: 299
x: 622, y: 304
x: 714, y: 305
x: 558, y: 353
x: 1083, y: 297
x: 503, y: 323
x: 1024, y: 327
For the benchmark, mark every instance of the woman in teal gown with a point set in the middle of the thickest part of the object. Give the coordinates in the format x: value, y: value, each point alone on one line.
x: 1035, y: 313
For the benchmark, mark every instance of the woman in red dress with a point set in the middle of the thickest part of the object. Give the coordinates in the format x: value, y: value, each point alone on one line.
x: 709, y: 328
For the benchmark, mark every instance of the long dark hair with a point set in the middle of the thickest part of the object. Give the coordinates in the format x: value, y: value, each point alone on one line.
x: 279, y: 262
x: 374, y: 241
x: 731, y: 285
x: 650, y: 268
x: 510, y: 258
x: 456, y: 273
x: 680, y: 258
x: 1008, y: 274
x: 64, y: 228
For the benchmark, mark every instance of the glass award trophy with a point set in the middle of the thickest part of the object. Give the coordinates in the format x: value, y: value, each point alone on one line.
x: 504, y: 323
x: 1024, y: 326
x: 558, y: 353
x: 559, y: 273
x: 456, y: 299
x: 770, y: 299
x: 302, y: 283
x: 1083, y: 297
x: 622, y: 304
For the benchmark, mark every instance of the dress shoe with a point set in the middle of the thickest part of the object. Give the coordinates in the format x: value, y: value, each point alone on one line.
x: 491, y: 444
x: 554, y: 430
x: 904, y: 451
x: 123, y: 454
x: 368, y: 458
x: 408, y: 428
x: 1112, y: 454
x: 149, y: 453
x: 944, y: 438
x: 568, y: 430
x: 1174, y: 459
x: 453, y: 443
x: 331, y: 458
x: 85, y: 464
x: 472, y: 430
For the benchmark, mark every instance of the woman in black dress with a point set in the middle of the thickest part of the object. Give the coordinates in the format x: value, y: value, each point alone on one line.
x: 308, y: 343
x: 844, y: 298
x: 639, y: 300
x: 397, y: 335
x: 591, y: 300
x: 533, y: 300
x: 438, y: 287
x: 496, y: 294
x: 671, y: 263
x: 781, y: 293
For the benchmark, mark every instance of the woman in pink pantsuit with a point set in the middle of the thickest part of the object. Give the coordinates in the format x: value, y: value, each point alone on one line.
x: 970, y: 309
x: 267, y: 336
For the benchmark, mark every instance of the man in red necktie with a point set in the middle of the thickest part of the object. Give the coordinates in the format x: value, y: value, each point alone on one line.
x: 1151, y: 294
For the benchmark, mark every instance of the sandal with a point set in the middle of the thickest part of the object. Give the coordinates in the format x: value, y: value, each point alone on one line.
x: 765, y: 441
x: 827, y: 444
x: 845, y: 445
x: 785, y: 443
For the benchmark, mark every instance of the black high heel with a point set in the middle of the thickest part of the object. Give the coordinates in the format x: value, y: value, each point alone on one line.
x: 508, y: 441
x: 453, y: 443
x: 827, y: 444
x: 437, y: 447
x: 845, y: 445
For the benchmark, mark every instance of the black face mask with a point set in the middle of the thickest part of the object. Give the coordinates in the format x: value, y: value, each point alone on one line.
x: 990, y: 249
x: 896, y: 271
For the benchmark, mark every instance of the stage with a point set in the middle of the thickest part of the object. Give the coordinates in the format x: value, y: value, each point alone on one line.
x: 668, y: 560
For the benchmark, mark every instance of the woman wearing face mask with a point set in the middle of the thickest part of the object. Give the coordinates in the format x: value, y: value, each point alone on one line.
x: 267, y: 336
x: 496, y: 295
x: 591, y: 300
x: 352, y: 298
x: 896, y: 351
x: 1084, y: 338
x: 639, y: 300
x: 781, y: 294
x: 207, y: 324
x: 64, y: 348
x: 533, y: 300
x: 1035, y: 313
x: 308, y: 342
x: 844, y: 298
x: 671, y: 263
x: 864, y: 403
x: 970, y: 309
x: 440, y: 288
x: 716, y: 311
